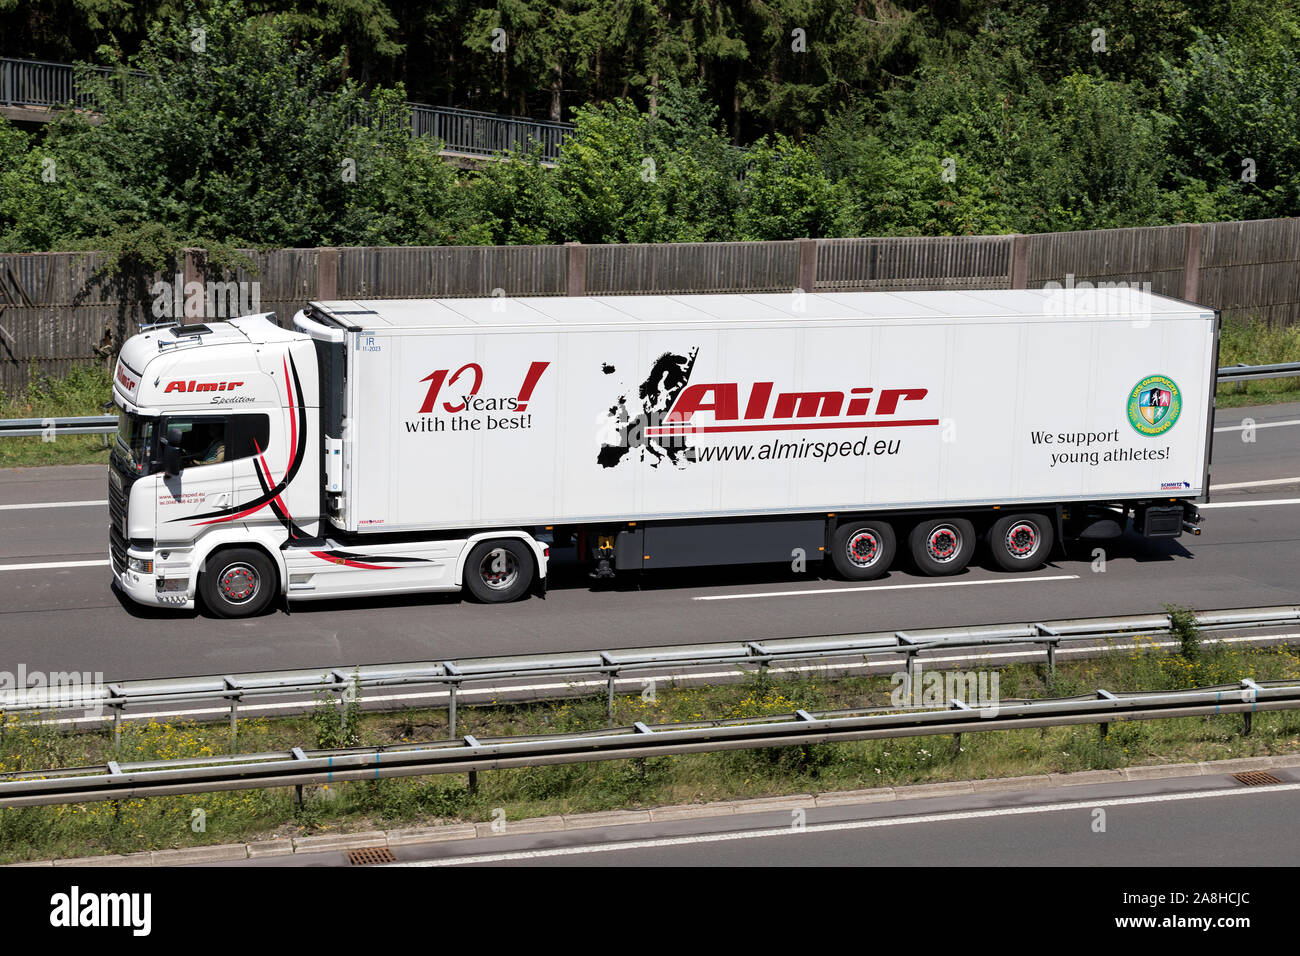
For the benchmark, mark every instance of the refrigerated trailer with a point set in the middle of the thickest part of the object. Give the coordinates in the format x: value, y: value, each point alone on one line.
x: 386, y: 447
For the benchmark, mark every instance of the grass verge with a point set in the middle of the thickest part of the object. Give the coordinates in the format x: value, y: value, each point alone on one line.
x: 1252, y: 342
x: 237, y: 816
x: 83, y: 391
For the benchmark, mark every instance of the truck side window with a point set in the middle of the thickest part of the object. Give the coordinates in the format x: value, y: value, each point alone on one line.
x: 203, y: 440
x: 206, y: 441
x: 248, y: 435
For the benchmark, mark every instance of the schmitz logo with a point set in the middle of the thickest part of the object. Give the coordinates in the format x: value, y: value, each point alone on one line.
x: 671, y: 409
x: 1154, y: 405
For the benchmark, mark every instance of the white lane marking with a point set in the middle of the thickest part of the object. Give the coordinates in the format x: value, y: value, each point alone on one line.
x: 53, y: 564
x: 1256, y: 484
x: 1249, y: 504
x: 32, y: 506
x: 885, y: 587
x: 637, y: 683
x: 953, y: 816
x: 1238, y: 428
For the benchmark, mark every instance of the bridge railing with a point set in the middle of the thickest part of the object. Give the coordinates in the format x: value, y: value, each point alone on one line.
x: 39, y: 83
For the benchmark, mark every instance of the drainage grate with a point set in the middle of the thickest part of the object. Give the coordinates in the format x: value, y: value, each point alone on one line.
x: 1256, y: 778
x: 371, y: 854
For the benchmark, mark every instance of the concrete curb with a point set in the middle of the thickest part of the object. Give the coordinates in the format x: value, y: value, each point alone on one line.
x: 331, y: 842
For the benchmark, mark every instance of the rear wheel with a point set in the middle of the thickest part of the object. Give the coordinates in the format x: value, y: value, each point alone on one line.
x: 1021, y: 542
x: 238, y: 582
x: 864, y: 549
x: 942, y: 546
x: 499, y: 570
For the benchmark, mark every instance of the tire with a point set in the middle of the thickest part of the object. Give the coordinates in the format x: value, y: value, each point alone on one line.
x: 499, y: 570
x: 863, y: 550
x: 238, y: 582
x: 1021, y: 542
x: 942, y: 546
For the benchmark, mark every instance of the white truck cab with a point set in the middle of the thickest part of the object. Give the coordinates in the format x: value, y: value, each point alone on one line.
x: 217, y: 491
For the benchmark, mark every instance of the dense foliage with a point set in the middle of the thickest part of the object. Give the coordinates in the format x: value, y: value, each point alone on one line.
x: 277, y: 122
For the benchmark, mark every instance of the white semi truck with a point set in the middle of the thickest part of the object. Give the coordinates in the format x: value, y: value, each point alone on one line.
x: 388, y: 447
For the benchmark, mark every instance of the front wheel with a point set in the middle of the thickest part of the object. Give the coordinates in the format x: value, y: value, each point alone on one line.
x: 1021, y: 542
x: 500, y: 570
x: 942, y: 546
x: 238, y: 582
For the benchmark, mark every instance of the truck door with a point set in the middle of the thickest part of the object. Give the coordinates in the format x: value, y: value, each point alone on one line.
x: 206, y: 482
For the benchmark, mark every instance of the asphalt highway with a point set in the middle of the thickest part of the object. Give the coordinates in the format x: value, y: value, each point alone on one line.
x: 58, y: 612
x: 1153, y: 822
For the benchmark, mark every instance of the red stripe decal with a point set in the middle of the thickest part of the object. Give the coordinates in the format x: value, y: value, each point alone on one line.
x: 687, y: 429
x: 326, y: 556
x: 293, y: 420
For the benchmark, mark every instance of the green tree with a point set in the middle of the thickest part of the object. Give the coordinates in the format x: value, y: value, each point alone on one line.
x: 253, y: 139
x: 33, y: 193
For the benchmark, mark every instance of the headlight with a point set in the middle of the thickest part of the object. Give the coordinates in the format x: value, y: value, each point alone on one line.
x: 141, y: 565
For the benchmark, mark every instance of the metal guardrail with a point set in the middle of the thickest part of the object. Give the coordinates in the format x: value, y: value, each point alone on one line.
x: 1246, y: 373
x: 296, y: 767
x: 113, y: 698
x: 32, y: 427
x: 39, y: 83
x: 107, y: 424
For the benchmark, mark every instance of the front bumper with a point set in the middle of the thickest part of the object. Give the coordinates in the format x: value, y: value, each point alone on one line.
x: 165, y: 586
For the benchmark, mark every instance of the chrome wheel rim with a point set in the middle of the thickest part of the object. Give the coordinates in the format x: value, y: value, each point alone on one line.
x: 943, y: 543
x: 499, y: 569
x: 238, y: 583
x: 863, y: 548
x: 1022, y: 539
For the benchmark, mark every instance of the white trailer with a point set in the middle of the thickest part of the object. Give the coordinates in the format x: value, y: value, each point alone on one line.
x: 411, y: 445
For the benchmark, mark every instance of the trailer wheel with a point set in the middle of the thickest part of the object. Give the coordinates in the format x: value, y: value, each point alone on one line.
x: 864, y: 549
x: 499, y: 570
x: 942, y: 545
x: 1021, y: 542
x: 238, y: 582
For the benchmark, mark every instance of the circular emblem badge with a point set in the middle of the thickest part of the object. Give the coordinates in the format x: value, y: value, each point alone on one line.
x: 1154, y: 405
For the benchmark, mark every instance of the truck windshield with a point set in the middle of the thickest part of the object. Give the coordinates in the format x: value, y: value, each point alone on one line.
x: 135, y: 439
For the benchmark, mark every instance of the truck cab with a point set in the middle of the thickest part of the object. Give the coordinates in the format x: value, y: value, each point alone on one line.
x: 226, y: 490
x: 212, y: 454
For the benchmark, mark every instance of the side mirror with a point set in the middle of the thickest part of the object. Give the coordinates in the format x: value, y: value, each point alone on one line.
x: 171, y: 452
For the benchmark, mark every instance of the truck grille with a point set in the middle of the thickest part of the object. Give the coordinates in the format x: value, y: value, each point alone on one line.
x: 117, y: 548
x: 119, y: 487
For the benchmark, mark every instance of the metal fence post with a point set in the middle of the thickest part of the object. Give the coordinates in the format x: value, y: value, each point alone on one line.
x: 1104, y: 727
x: 576, y: 268
x: 1019, y: 277
x: 807, y: 279
x: 451, y: 709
